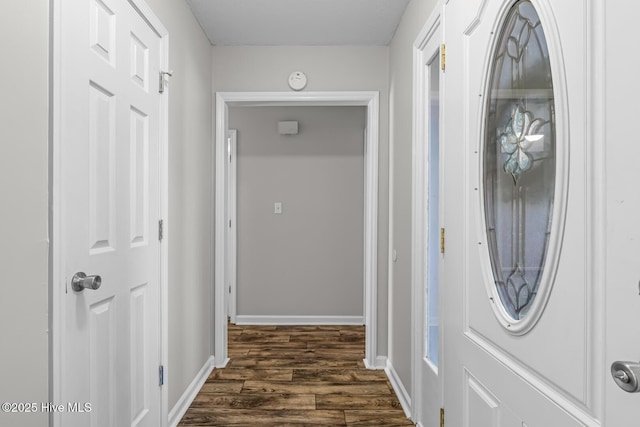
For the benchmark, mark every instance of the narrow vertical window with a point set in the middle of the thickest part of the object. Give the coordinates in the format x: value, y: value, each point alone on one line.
x: 519, y: 160
x: 433, y: 209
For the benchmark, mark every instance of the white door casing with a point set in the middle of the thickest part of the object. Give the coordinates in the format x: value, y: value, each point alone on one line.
x: 550, y: 375
x: 368, y: 99
x: 231, y: 233
x: 426, y: 393
x: 109, y: 184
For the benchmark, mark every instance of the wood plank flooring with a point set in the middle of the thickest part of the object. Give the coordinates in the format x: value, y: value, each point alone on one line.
x: 296, y: 376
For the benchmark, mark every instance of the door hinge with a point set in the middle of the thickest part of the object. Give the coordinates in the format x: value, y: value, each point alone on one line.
x: 161, y: 374
x: 442, y: 240
x: 163, y: 80
x: 443, y: 56
x: 229, y: 223
x: 160, y: 230
x: 441, y: 417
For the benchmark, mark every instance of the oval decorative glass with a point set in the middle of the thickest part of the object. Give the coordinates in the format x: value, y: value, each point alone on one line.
x: 519, y: 160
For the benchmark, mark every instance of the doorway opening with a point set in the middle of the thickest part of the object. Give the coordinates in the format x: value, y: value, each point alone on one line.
x: 295, y: 222
x: 369, y: 100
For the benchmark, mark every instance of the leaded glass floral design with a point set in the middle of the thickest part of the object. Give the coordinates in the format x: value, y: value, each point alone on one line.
x: 519, y: 159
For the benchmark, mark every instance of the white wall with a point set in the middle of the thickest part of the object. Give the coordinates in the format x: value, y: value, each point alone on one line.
x: 401, y: 124
x: 190, y: 196
x: 266, y: 68
x: 24, y: 187
x: 308, y: 260
x: 24, y: 122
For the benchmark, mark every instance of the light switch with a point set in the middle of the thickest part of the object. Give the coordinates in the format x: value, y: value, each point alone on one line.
x: 277, y: 208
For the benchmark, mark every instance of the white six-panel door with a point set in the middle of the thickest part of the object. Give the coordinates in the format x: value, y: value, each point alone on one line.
x: 550, y: 376
x: 110, y: 208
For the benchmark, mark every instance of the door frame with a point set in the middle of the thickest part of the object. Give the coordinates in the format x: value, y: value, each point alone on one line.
x: 432, y: 28
x: 57, y: 278
x: 370, y: 100
x: 231, y: 238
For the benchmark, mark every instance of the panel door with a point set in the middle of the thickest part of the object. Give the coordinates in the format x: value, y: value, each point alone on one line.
x: 506, y: 366
x: 110, y: 210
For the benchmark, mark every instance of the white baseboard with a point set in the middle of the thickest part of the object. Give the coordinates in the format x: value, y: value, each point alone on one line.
x: 299, y: 320
x: 380, y: 363
x: 398, y: 387
x: 223, y: 364
x: 181, y: 406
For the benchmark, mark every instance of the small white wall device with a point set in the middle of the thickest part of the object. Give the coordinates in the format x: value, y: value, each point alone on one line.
x: 288, y: 128
x: 297, y: 80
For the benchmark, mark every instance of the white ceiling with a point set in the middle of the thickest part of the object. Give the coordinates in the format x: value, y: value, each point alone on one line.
x: 299, y: 22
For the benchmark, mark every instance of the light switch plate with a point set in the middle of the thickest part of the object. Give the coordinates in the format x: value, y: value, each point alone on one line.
x: 277, y: 208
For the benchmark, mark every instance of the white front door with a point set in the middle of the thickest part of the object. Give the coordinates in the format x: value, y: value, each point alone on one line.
x: 619, y: 279
x: 110, y: 208
x: 532, y: 283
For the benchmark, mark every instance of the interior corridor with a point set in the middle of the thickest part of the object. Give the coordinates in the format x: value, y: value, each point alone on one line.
x: 296, y: 375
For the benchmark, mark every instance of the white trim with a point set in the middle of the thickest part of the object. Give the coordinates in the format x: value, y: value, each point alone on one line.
x: 220, y: 261
x: 366, y: 99
x: 419, y: 212
x: 299, y: 320
x: 398, y: 387
x: 56, y: 278
x: 380, y: 363
x: 56, y: 274
x: 183, y: 403
x: 232, y: 242
x: 597, y: 207
x: 561, y: 187
x: 163, y: 154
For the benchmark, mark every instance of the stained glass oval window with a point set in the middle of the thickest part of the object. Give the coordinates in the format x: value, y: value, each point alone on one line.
x: 519, y: 160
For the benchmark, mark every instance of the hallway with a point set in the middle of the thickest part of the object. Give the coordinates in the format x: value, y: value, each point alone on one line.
x: 296, y: 375
x: 500, y: 232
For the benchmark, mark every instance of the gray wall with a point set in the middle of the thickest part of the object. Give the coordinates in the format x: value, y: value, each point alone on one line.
x: 267, y: 68
x: 190, y: 196
x: 309, y: 259
x: 24, y: 127
x: 401, y: 107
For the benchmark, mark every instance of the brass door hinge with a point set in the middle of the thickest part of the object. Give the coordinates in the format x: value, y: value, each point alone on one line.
x: 441, y: 417
x: 443, y: 56
x: 442, y: 240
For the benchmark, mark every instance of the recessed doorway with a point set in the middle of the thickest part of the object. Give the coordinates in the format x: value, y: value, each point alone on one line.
x: 225, y: 100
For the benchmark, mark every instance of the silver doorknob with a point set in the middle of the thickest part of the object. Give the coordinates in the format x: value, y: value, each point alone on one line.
x: 626, y: 375
x: 81, y: 281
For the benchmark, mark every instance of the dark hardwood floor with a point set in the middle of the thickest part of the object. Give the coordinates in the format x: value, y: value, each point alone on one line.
x: 296, y: 376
